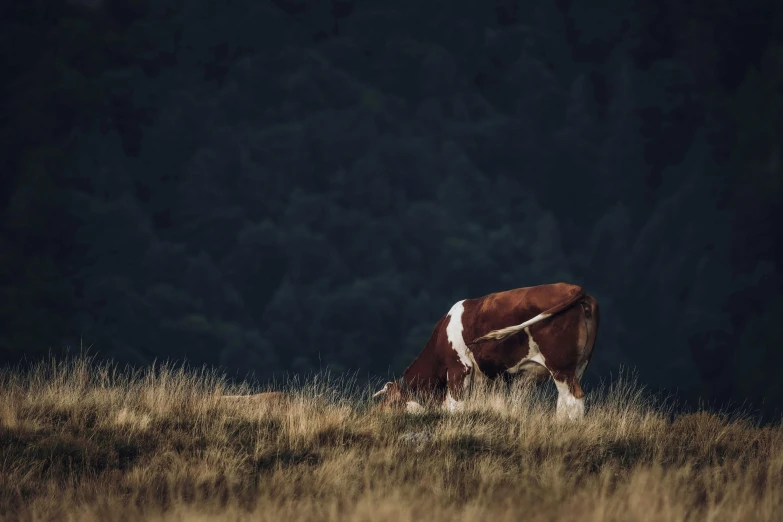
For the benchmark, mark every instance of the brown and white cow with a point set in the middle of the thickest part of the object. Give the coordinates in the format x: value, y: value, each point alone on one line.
x: 529, y: 333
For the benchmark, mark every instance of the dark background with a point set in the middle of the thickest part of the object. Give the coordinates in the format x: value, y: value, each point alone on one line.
x: 286, y: 185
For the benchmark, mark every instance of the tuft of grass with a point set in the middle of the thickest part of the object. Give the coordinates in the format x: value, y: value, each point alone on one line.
x: 81, y: 440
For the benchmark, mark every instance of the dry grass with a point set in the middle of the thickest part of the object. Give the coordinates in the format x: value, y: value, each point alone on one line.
x: 81, y: 441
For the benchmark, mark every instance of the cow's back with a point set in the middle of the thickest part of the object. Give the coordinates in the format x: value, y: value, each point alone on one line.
x: 508, y: 308
x: 502, y: 309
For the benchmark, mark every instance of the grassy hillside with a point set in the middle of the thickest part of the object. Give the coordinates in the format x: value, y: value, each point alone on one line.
x: 80, y: 441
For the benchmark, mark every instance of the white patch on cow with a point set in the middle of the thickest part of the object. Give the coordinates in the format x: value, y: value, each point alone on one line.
x: 454, y: 333
x: 452, y: 404
x: 533, y: 354
x: 414, y: 407
x: 568, y: 406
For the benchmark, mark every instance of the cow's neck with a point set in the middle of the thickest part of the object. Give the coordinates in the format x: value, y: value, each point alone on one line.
x: 423, y: 373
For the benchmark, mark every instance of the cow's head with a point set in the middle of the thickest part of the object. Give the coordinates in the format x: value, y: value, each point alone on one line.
x: 393, y: 397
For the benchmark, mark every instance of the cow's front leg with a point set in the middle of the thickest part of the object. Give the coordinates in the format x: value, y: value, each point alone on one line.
x: 458, y: 380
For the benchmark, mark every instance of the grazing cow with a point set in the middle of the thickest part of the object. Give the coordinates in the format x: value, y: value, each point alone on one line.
x: 528, y: 333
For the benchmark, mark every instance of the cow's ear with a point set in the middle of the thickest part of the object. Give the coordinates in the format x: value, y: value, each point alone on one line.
x: 382, y: 391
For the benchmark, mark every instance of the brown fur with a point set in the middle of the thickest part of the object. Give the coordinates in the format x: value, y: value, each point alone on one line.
x: 513, y: 302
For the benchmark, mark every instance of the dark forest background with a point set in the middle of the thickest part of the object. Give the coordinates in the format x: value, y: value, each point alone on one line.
x: 286, y: 185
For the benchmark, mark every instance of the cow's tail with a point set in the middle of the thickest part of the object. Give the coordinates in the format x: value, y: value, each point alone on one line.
x: 508, y: 331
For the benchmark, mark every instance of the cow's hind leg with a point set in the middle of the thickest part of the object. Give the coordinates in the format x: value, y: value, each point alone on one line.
x: 562, y: 346
x: 571, y: 397
x: 571, y: 402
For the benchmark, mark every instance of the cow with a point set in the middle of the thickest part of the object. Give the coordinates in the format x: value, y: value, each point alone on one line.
x: 529, y: 333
